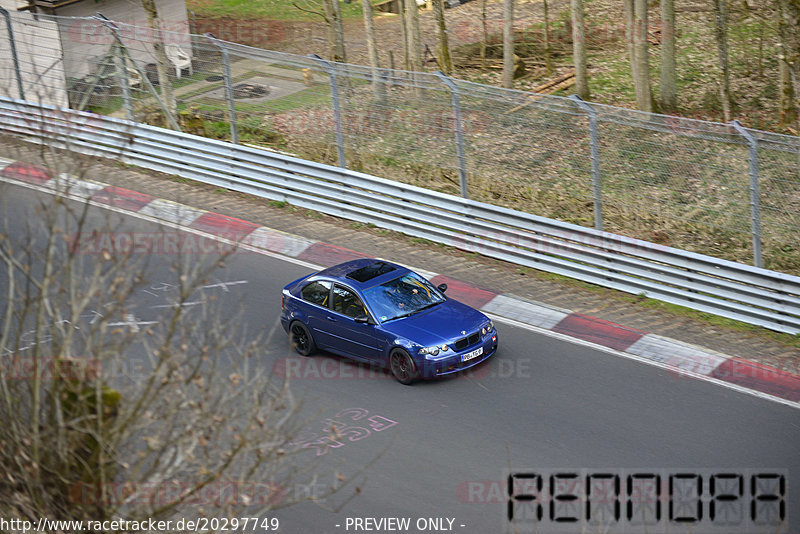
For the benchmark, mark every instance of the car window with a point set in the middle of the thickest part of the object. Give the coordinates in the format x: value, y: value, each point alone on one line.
x: 346, y: 302
x: 317, y: 292
x: 402, y: 296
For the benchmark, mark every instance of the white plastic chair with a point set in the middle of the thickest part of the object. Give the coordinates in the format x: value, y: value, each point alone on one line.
x: 179, y: 59
x: 134, y: 78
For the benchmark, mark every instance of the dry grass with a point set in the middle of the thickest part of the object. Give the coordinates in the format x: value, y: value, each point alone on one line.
x: 671, y: 190
x: 753, y: 59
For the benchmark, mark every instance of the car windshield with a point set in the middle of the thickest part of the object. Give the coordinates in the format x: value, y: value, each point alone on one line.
x: 402, y: 297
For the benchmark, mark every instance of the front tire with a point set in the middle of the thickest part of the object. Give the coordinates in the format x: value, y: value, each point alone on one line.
x: 403, y: 367
x: 300, y: 338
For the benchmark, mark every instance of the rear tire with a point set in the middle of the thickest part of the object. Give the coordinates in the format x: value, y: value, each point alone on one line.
x: 300, y: 338
x: 403, y: 367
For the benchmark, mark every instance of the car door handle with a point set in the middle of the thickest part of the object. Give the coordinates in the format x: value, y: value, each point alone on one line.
x: 332, y: 319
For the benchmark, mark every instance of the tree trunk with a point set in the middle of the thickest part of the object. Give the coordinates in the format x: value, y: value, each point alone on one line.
x: 508, y: 43
x: 579, y: 49
x: 327, y: 8
x: 445, y: 61
x: 414, y: 39
x: 404, y: 29
x: 644, y: 94
x: 485, y: 35
x: 369, y: 30
x: 162, y: 62
x: 548, y: 60
x: 721, y: 36
x: 338, y: 31
x: 789, y: 60
x: 378, y: 88
x: 629, y: 39
x: 668, y: 90
x: 786, y: 101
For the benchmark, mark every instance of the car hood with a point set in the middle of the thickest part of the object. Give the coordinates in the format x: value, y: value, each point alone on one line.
x: 443, y: 323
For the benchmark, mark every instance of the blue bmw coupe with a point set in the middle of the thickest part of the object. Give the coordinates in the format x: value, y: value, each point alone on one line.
x: 386, y: 315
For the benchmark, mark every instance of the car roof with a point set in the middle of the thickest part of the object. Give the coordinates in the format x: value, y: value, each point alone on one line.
x: 340, y: 272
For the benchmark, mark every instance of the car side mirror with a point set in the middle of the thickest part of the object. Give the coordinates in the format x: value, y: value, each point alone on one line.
x: 442, y: 287
x: 362, y: 319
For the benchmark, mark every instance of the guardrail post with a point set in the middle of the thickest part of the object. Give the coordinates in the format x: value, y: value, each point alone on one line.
x: 597, y: 190
x: 455, y: 100
x: 14, y: 57
x: 337, y: 111
x: 226, y: 73
x: 124, y: 51
x: 755, y: 197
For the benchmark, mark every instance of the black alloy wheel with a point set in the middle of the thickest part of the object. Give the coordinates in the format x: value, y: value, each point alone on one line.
x: 300, y: 338
x: 403, y: 368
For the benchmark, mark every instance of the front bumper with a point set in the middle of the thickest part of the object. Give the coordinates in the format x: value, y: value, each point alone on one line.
x: 452, y: 363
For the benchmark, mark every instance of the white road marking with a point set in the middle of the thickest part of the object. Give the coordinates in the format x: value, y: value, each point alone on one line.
x: 224, y: 285
x: 679, y: 355
x: 614, y: 352
x: 512, y: 322
x: 175, y: 305
x: 169, y: 224
x: 167, y: 210
x: 525, y: 312
x: 133, y: 322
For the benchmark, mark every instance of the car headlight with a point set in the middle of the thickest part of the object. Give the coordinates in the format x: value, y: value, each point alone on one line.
x: 433, y: 351
x: 487, y: 328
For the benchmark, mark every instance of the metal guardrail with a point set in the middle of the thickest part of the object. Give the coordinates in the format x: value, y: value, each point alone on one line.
x: 737, y: 291
x: 719, y: 189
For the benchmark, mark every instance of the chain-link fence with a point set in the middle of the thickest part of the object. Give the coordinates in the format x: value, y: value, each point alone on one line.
x: 717, y: 189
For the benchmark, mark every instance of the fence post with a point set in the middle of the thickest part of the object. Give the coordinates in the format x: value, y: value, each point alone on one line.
x: 597, y: 190
x: 119, y: 59
x: 123, y: 50
x: 337, y: 111
x: 14, y: 57
x: 226, y: 73
x: 755, y: 197
x: 455, y: 100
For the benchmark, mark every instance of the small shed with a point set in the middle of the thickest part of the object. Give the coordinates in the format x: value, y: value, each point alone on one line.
x: 59, y: 46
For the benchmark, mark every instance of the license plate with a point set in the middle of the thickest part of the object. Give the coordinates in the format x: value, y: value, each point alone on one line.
x: 474, y: 354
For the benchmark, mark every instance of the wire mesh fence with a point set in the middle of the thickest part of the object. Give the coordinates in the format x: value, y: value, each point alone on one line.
x: 712, y: 188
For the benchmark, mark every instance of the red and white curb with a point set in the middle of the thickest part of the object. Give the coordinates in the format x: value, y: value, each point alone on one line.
x: 681, y: 358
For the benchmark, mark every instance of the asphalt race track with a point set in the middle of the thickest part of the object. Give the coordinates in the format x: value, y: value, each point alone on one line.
x: 439, y: 454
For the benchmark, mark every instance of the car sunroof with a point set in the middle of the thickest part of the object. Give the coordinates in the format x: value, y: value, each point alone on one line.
x: 370, y: 271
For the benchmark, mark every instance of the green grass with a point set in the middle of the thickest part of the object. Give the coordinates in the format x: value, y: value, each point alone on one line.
x: 111, y: 105
x: 673, y: 309
x: 307, y: 98
x: 269, y: 9
x: 421, y: 241
x: 188, y: 80
x: 716, y: 320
